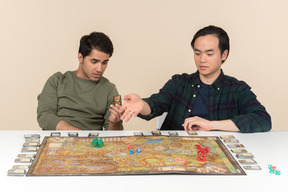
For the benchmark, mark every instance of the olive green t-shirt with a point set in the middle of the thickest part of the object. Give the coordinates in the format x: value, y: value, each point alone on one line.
x: 82, y: 103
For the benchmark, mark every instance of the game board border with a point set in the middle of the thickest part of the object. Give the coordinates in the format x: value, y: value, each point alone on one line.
x: 231, y: 159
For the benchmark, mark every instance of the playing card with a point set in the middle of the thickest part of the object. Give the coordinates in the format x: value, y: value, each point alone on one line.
x: 247, y: 161
x: 26, y: 156
x: 239, y: 150
x: 173, y: 133
x: 250, y: 167
x: 227, y: 137
x: 156, y: 132
x: 73, y: 134
x: 32, y: 136
x: 192, y: 133
x: 93, y: 135
x: 21, y: 167
x: 117, y: 100
x: 244, y: 155
x: 16, y: 172
x: 231, y: 141
x: 235, y: 145
x: 23, y: 160
x: 31, y: 144
x: 29, y: 149
x: 55, y: 134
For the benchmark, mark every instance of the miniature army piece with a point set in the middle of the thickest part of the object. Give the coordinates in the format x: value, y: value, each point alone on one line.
x: 97, y: 143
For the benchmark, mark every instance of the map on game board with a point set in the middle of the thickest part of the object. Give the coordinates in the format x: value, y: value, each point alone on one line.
x: 60, y: 156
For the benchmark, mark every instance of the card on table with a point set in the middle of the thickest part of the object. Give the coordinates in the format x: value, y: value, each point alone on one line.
x: 231, y: 141
x: 32, y: 136
x: 55, y: 134
x: 93, y: 134
x: 173, y: 133
x: 227, y: 137
x: 235, y: 145
x: 247, y: 161
x: 16, y: 172
x: 23, y: 160
x: 156, y: 132
x: 29, y: 149
x: 138, y: 133
x: 192, y: 133
x: 31, y: 145
x: 250, y: 167
x: 73, y: 134
x: 21, y: 167
x: 244, y: 155
x: 239, y: 150
x: 26, y: 156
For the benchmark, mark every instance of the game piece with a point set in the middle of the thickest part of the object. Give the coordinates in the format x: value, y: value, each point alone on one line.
x: 235, y: 145
x: 23, y: 160
x: 156, y: 132
x: 93, y: 135
x: 73, y: 134
x: 138, y: 133
x: 244, y: 155
x: 273, y: 167
x: 231, y: 141
x: 16, y: 172
x: 130, y: 146
x: 269, y: 166
x: 248, y: 167
x: 131, y: 151
x: 201, y: 152
x: 55, y: 134
x: 277, y: 172
x: 31, y: 145
x: 272, y: 171
x: 32, y: 136
x: 117, y: 100
x: 97, y: 143
x: 173, y: 133
x: 29, y: 149
x: 192, y: 133
x: 26, y: 156
x: 227, y: 137
x: 137, y: 150
x: 239, y: 150
x: 247, y: 161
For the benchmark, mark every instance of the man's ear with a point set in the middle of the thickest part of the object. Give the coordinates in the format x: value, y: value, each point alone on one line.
x: 80, y: 58
x: 224, y: 56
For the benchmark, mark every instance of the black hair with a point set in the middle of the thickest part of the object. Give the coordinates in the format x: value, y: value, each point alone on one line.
x: 220, y: 34
x: 96, y: 40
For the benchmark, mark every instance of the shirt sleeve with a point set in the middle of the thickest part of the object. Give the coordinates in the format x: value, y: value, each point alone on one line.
x: 47, y: 104
x: 253, y: 116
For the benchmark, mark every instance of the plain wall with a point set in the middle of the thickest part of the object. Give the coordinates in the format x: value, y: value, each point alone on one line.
x: 152, y: 42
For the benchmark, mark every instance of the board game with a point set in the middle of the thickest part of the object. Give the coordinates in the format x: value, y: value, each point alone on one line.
x: 133, y: 155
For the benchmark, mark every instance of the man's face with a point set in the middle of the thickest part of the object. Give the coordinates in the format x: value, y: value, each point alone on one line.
x: 208, y: 58
x: 93, y: 65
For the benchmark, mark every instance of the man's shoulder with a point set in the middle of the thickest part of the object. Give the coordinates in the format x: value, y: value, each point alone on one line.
x: 184, y: 77
x: 234, y: 82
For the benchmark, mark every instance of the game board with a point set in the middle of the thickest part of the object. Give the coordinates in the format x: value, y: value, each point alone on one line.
x: 59, y: 156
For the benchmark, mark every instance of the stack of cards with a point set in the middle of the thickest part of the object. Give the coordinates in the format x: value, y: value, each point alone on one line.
x: 243, y: 156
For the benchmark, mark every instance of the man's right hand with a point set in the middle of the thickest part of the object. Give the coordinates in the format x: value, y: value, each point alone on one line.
x: 134, y: 105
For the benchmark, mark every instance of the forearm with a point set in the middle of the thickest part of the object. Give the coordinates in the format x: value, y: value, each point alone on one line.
x: 63, y: 125
x: 146, y: 110
x: 223, y: 125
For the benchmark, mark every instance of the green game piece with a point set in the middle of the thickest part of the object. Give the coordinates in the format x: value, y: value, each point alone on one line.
x: 97, y: 143
x: 277, y: 172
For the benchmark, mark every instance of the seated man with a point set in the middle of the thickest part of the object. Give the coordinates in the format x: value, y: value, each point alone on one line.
x: 82, y: 99
x: 205, y: 100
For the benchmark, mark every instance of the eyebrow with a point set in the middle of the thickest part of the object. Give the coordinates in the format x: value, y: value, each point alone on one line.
x: 208, y: 50
x: 99, y: 60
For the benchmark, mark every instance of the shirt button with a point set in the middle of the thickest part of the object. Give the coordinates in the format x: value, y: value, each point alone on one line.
x: 192, y: 85
x: 189, y: 110
x: 194, y: 95
x: 218, y: 89
x: 198, y: 86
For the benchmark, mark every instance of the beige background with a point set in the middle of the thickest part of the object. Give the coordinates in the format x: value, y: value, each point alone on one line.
x: 152, y: 42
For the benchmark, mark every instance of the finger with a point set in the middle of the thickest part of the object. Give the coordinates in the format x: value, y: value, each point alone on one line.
x: 124, y: 115
x: 130, y: 114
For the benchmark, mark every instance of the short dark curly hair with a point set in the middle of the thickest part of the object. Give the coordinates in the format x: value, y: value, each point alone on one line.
x: 219, y: 32
x: 96, y: 40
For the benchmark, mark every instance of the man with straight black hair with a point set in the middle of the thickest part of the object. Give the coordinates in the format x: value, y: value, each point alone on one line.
x: 205, y: 100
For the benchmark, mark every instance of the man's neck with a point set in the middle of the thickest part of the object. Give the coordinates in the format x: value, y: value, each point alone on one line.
x: 209, y: 79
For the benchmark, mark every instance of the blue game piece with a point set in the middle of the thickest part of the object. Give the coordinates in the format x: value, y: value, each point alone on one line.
x: 137, y: 150
x: 277, y: 172
x: 131, y: 151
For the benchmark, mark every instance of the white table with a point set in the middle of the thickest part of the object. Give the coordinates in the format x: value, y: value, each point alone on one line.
x: 268, y: 148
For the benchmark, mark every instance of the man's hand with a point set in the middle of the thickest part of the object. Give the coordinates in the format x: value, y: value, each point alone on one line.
x: 200, y: 124
x: 114, y: 118
x: 132, y: 106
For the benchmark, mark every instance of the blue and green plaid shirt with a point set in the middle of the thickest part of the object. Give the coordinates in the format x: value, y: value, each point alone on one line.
x: 228, y: 99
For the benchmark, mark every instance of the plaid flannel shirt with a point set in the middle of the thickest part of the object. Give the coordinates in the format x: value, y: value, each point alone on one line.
x: 228, y: 99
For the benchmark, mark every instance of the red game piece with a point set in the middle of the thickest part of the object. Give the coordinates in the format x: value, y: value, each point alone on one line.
x: 201, y: 152
x: 130, y: 146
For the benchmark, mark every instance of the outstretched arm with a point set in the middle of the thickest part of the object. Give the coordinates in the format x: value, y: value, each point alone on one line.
x: 132, y: 106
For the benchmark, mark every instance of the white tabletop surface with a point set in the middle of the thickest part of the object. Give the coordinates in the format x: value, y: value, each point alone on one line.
x: 267, y: 148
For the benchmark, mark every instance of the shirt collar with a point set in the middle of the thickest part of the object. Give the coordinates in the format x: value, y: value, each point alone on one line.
x: 217, y: 83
